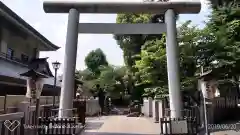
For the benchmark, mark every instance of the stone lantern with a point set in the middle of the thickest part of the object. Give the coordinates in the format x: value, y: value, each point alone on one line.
x: 34, y: 88
x: 38, y: 70
x: 35, y: 83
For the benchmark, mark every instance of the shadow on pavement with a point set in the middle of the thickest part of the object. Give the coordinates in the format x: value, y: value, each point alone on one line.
x: 93, y: 125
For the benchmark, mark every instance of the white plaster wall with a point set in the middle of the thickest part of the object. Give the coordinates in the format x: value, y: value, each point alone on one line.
x: 18, y: 44
x: 4, y: 40
x: 3, y: 48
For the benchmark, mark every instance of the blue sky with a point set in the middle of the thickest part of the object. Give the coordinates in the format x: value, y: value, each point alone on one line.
x: 53, y: 27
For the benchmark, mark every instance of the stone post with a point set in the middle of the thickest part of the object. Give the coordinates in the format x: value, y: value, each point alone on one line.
x: 156, y: 105
x: 24, y: 107
x: 150, y: 105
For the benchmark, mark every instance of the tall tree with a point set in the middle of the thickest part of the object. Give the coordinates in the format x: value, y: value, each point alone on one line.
x: 131, y: 44
x: 224, y: 30
x: 112, y: 79
x: 152, y: 66
x: 94, y: 60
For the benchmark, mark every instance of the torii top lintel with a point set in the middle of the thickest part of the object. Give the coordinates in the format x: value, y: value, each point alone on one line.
x: 117, y: 6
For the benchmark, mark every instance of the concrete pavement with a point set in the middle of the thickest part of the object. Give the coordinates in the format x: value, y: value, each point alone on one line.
x: 228, y: 132
x: 121, y: 125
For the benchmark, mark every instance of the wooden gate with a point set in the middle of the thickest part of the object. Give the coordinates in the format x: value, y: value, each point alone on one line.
x: 228, y: 106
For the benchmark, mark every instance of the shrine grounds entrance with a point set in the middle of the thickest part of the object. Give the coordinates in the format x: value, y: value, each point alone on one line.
x: 168, y: 8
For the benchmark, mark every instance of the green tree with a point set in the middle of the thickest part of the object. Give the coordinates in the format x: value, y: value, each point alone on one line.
x: 85, y: 74
x: 131, y: 44
x: 152, y: 66
x: 188, y: 39
x: 224, y: 46
x: 112, y: 79
x: 94, y: 60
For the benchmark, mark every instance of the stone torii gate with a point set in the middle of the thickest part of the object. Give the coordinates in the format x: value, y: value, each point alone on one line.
x: 74, y: 8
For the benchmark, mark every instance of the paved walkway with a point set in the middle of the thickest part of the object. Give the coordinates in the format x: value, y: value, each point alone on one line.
x: 229, y: 132
x: 121, y: 125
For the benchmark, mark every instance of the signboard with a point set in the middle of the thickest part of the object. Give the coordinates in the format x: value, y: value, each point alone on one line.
x: 209, y: 89
x: 34, y: 88
x: 206, y: 90
x: 123, y: 6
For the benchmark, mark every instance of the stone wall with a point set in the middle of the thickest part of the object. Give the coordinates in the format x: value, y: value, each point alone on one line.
x: 92, y: 107
x: 12, y: 101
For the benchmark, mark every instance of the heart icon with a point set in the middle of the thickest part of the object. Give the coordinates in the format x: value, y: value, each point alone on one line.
x: 11, y: 125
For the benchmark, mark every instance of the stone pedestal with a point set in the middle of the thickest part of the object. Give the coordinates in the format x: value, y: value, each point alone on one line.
x: 24, y: 107
x: 170, y: 126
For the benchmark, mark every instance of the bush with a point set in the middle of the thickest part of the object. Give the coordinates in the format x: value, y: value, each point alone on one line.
x: 155, y: 91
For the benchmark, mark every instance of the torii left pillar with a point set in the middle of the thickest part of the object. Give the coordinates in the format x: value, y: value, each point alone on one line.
x: 67, y: 90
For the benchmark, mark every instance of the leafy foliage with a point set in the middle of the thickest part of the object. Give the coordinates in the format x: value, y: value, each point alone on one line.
x: 215, y: 47
x: 224, y: 26
x: 110, y: 78
x: 94, y: 60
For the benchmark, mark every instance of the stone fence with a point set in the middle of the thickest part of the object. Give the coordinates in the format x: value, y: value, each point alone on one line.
x: 153, y: 108
x: 92, y: 107
x: 156, y: 109
x: 24, y: 113
x: 10, y: 103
